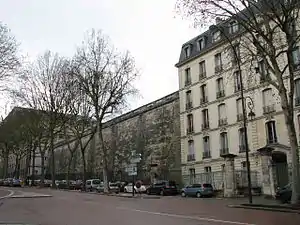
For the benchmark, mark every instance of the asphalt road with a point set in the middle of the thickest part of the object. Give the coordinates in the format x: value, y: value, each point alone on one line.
x: 66, y: 208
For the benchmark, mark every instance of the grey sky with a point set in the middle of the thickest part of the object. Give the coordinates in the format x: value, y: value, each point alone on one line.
x: 147, y: 29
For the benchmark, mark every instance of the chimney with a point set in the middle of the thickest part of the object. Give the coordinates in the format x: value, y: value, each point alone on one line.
x: 218, y: 20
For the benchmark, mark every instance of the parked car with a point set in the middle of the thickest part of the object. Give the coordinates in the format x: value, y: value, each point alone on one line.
x: 113, y: 187
x: 92, y: 184
x: 1, y: 182
x: 128, y: 188
x: 197, y: 190
x: 7, y: 181
x: 163, y: 187
x: 284, y: 194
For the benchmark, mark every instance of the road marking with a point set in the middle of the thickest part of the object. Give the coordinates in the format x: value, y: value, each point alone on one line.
x: 11, y: 193
x: 186, y: 217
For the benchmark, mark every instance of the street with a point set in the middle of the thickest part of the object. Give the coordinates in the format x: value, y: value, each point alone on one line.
x: 83, y: 208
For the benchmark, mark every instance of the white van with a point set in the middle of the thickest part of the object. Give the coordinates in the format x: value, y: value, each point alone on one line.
x: 92, y: 184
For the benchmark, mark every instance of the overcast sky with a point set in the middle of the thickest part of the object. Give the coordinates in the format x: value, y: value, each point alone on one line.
x: 148, y: 29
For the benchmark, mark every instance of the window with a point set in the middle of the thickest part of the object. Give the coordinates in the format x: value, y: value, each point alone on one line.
x: 296, y: 57
x: 271, y: 132
x: 237, y: 81
x: 201, y: 44
x: 206, y: 147
x: 220, y: 88
x: 224, y: 143
x: 242, y: 141
x: 188, y: 80
x: 263, y: 71
x: 205, y: 124
x: 268, y: 105
x: 202, y: 70
x: 192, y: 175
x: 189, y: 99
x: 203, y: 96
x: 216, y: 36
x: 191, y: 151
x: 297, y: 92
x: 207, y: 169
x: 236, y: 54
x: 239, y: 109
x: 190, y: 123
x: 218, y: 63
x: 233, y: 27
x: 222, y: 114
x: 244, y: 165
x: 187, y: 51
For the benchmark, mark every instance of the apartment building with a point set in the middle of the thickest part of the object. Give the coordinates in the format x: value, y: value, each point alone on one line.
x: 211, y: 114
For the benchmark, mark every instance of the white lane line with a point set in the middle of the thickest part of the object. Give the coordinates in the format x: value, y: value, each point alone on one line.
x: 11, y: 193
x: 187, y: 217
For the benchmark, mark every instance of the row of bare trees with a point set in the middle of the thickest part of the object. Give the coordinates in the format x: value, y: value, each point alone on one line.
x: 71, y: 99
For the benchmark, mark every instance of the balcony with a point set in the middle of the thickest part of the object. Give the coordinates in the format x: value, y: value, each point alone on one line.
x: 218, y: 69
x: 269, y: 109
x: 222, y: 122
x: 224, y: 151
x: 188, y: 82
x: 188, y: 105
x: 205, y: 126
x: 239, y: 117
x: 237, y: 88
x: 202, y: 75
x: 297, y: 101
x: 220, y: 94
x: 203, y: 100
x: 189, y: 130
x: 242, y: 148
x: 190, y: 157
x: 206, y: 155
x: 272, y: 140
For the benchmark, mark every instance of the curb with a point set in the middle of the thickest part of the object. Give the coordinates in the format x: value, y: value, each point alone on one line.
x: 37, y: 196
x: 265, y: 208
x: 9, y: 195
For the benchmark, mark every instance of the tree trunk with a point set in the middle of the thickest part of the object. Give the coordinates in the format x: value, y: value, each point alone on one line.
x: 104, y: 156
x: 16, y: 167
x: 52, y: 158
x: 84, y: 168
x: 69, y: 169
x: 33, y: 167
x: 42, y: 168
x: 5, y: 164
x: 289, y: 121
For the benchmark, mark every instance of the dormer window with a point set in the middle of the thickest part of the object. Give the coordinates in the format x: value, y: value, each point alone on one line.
x: 216, y: 36
x: 201, y: 44
x: 233, y: 27
x: 187, y: 51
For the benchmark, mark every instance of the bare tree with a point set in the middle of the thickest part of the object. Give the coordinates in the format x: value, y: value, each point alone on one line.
x: 270, y: 33
x: 8, y: 52
x: 106, y: 77
x: 46, y: 85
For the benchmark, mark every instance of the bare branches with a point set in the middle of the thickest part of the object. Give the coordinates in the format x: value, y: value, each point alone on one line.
x: 8, y: 52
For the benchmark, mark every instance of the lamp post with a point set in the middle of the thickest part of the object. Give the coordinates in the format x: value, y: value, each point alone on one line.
x: 251, y: 115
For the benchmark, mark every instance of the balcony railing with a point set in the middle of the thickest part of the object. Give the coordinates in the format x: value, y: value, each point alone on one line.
x: 206, y: 155
x: 188, y: 82
x: 218, y: 69
x: 224, y: 151
x: 189, y: 130
x: 239, y: 117
x: 190, y: 157
x: 297, y: 101
x: 269, y: 109
x: 202, y: 75
x: 242, y: 148
x: 188, y: 105
x: 223, y: 122
x: 220, y: 94
x: 272, y: 141
x: 205, y: 126
x: 203, y: 100
x: 237, y: 88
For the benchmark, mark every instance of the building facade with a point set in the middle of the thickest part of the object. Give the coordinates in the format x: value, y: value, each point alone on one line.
x: 211, y: 116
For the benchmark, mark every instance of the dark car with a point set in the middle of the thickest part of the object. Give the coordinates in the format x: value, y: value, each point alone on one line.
x: 163, y: 188
x: 198, y: 190
x: 284, y: 194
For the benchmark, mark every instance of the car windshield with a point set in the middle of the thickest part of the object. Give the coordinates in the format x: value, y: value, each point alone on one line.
x: 96, y: 181
x: 113, y: 184
x: 207, y: 185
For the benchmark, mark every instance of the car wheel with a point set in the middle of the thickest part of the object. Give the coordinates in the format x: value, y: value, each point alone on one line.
x: 148, y: 192
x: 183, y: 194
x: 198, y: 195
x: 125, y: 190
x: 162, y: 193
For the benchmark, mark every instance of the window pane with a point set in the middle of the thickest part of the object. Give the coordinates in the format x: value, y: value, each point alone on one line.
x: 191, y: 147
